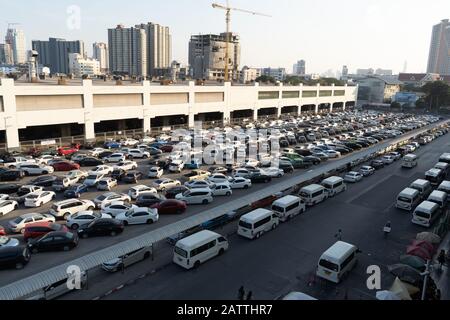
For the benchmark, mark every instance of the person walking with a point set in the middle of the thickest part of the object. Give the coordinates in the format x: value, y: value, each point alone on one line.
x: 338, y: 235
x: 249, y: 295
x: 241, y: 293
x: 441, y: 259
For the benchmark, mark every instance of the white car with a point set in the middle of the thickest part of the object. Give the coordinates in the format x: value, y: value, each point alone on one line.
x: 367, y: 171
x: 7, y: 206
x: 222, y: 189
x: 396, y: 155
x: 115, y: 208
x: 17, y: 161
x: 81, y: 218
x: 39, y: 198
x: 165, y: 184
x: 97, y: 151
x: 126, y: 165
x: 199, y: 184
x: 130, y: 142
x: 139, y: 216
x: 92, y: 179
x: 241, y: 172
x: 110, y: 197
x: 155, y: 173
x: 196, y: 196
x: 136, y: 191
x: 218, y: 178
x: 115, y: 158
x: 45, y: 159
x: 332, y: 153
x: 388, y: 159
x: 138, y: 154
x: 274, y: 172
x: 35, y: 169
x: 19, y: 223
x: 106, y: 184
x: 68, y: 207
x: 79, y: 174
x: 176, y: 166
x: 353, y: 176
x: 104, y: 170
x: 240, y: 183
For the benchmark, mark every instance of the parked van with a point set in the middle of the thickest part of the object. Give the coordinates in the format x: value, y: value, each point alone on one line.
x: 443, y: 166
x: 409, y: 161
x: 334, y: 185
x: 439, y: 198
x: 408, y: 199
x: 445, y: 187
x: 190, y: 252
x: 423, y: 186
x: 337, y: 261
x: 426, y: 213
x: 445, y: 158
x: 288, y: 207
x: 256, y: 223
x: 313, y: 194
x: 435, y: 176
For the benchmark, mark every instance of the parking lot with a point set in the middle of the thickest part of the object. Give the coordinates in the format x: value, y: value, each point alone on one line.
x: 43, y: 261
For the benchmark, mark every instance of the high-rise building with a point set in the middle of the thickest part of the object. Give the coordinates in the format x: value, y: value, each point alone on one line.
x: 6, y: 55
x: 159, y: 47
x: 16, y: 39
x: 300, y: 68
x: 207, y: 56
x: 439, y: 57
x: 344, y: 75
x: 100, y: 53
x: 278, y: 74
x: 80, y: 66
x: 54, y: 53
x: 128, y: 51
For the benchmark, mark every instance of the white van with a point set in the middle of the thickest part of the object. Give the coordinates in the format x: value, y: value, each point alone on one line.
x: 438, y: 197
x: 334, y: 185
x: 256, y: 223
x: 445, y: 187
x: 313, y: 194
x: 288, y: 207
x: 409, y: 161
x: 426, y: 213
x: 443, y: 166
x: 423, y: 186
x: 192, y: 251
x: 435, y: 176
x: 445, y: 158
x: 408, y: 199
x: 337, y: 261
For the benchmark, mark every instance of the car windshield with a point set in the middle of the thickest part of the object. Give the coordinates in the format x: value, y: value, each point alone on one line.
x: 328, y: 265
x: 101, y: 198
x: 18, y: 220
x: 129, y: 213
x: 404, y: 199
x: 33, y: 196
x: 92, y: 177
x: 181, y: 252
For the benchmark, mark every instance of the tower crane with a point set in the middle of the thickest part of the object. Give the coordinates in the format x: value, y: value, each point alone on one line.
x: 228, y: 10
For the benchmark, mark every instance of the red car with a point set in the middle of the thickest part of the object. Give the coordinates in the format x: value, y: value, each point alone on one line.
x: 170, y: 207
x: 67, y: 151
x: 39, y: 229
x: 2, y: 231
x: 66, y: 166
x: 167, y: 148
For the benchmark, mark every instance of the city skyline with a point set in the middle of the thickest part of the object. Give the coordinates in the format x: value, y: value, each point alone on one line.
x: 356, y: 27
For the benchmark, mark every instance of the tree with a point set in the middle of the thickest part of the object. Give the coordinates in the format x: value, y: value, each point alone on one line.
x: 437, y: 94
x: 421, y: 103
x: 266, y: 79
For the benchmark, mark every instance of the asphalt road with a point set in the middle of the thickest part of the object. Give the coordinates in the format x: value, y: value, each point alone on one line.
x: 285, y: 259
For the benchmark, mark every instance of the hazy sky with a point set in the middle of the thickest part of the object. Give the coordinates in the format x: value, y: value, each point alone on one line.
x: 326, y: 33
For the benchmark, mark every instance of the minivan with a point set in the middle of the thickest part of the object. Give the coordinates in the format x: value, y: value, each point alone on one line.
x: 288, y: 207
x: 423, y: 186
x: 435, y: 176
x: 313, y: 194
x: 254, y: 224
x: 445, y: 187
x: 337, y: 261
x: 408, y: 199
x: 334, y: 185
x: 439, y: 198
x: 426, y: 213
x: 443, y: 166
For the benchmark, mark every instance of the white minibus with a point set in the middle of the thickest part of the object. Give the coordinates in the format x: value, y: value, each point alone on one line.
x: 426, y: 213
x: 445, y: 187
x: 337, y: 261
x: 334, y: 185
x: 190, y: 252
x: 256, y: 223
x: 435, y: 176
x: 409, y: 161
x: 313, y: 194
x: 408, y: 199
x: 423, y: 186
x: 443, y: 166
x: 445, y: 158
x: 438, y: 197
x: 288, y: 207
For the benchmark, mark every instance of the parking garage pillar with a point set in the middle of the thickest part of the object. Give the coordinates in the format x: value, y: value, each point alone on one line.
x: 226, y: 117
x: 66, y: 130
x: 7, y: 92
x: 89, y: 131
x: 316, y: 109
x: 191, y: 121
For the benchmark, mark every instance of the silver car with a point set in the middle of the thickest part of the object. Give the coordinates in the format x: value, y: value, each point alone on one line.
x: 127, y: 260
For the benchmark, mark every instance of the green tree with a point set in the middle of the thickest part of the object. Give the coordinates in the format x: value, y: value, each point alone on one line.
x: 437, y: 94
x: 421, y: 103
x: 266, y: 79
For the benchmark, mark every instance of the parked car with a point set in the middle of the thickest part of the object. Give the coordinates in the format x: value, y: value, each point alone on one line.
x: 7, y: 206
x: 127, y: 260
x: 66, y: 166
x: 67, y: 151
x: 164, y: 184
x: 106, y: 184
x: 196, y: 196
x: 118, y: 174
x: 155, y: 173
x: 114, y: 208
x: 260, y: 178
x: 136, y: 191
x: 64, y: 209
x: 39, y: 198
x: 138, y: 216
x: 353, y: 177
x: 149, y: 199
x: 110, y: 197
x: 133, y: 177
x: 377, y: 164
x: 112, y: 145
x: 14, y: 257
x: 138, y: 154
x: 115, y: 158
x: 222, y: 189
x: 367, y: 171
x: 62, y: 183
x: 170, y: 207
x: 93, y: 179
x: 43, y: 181
x: 172, y: 192
x: 90, y: 162
x: 39, y: 229
x: 54, y: 241
x: 81, y: 218
x: 102, y: 169
x: 240, y: 183
x: 76, y: 190
x: 19, y: 224
x: 388, y: 159
x: 9, y: 188
x: 126, y: 165
x: 101, y: 227
x: 11, y: 174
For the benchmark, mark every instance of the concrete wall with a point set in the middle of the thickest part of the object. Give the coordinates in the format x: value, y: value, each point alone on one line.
x: 103, y: 103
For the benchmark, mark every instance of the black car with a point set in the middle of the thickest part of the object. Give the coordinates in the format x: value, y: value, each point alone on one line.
x: 149, y: 199
x: 14, y: 257
x: 286, y: 167
x: 105, y: 154
x: 118, y: 174
x: 303, y: 152
x: 43, y: 181
x: 312, y: 160
x: 352, y: 145
x: 54, y: 241
x: 343, y: 150
x: 377, y: 164
x: 163, y: 163
x: 133, y: 177
x: 284, y: 143
x: 171, y: 193
x: 11, y: 174
x: 260, y: 178
x: 9, y: 188
x: 101, y: 227
x: 90, y: 162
